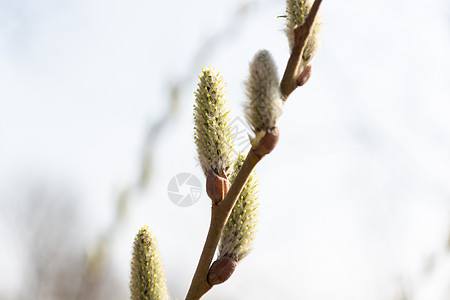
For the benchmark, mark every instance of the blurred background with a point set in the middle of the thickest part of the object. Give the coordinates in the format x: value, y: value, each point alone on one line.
x: 96, y: 118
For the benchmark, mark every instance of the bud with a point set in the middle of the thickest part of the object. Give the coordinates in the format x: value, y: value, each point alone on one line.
x: 267, y: 142
x: 237, y: 237
x: 297, y: 11
x: 265, y: 104
x: 221, y: 270
x: 212, y: 132
x: 304, y: 76
x: 147, y: 275
x: 217, y: 186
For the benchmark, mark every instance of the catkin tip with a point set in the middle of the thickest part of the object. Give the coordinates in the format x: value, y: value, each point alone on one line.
x: 147, y: 275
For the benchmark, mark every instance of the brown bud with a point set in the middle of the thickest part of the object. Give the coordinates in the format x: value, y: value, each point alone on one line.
x: 268, y: 142
x: 304, y: 75
x: 221, y: 270
x: 217, y: 186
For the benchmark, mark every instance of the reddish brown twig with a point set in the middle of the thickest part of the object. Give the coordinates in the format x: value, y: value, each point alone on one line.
x: 292, y: 78
x: 220, y: 211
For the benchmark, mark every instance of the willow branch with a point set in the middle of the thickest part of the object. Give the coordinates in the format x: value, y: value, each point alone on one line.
x: 221, y: 211
x: 292, y: 78
x: 219, y: 216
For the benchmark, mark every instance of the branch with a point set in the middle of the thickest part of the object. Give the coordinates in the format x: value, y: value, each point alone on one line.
x: 220, y: 213
x: 219, y: 216
x: 221, y: 210
x: 291, y: 78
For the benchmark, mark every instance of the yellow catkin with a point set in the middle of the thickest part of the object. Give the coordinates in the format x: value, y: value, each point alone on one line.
x: 147, y: 276
x: 237, y: 237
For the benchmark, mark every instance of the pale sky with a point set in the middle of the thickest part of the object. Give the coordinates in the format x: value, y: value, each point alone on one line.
x: 354, y: 199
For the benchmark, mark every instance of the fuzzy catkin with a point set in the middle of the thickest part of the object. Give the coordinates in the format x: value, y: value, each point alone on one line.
x: 147, y: 276
x: 297, y: 11
x: 263, y: 92
x: 212, y: 131
x: 239, y: 232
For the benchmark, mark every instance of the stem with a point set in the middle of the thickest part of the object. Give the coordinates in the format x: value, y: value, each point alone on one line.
x: 301, y: 33
x: 219, y: 216
x: 220, y: 212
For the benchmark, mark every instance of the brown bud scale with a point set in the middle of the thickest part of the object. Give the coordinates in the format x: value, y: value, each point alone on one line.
x: 268, y: 142
x: 221, y: 270
x: 304, y: 75
x: 217, y: 186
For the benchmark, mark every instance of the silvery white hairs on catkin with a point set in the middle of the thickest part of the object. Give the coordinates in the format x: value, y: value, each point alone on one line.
x: 263, y: 92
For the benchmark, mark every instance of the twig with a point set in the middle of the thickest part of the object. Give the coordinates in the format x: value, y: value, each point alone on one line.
x: 291, y: 78
x: 219, y: 216
x: 220, y: 212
